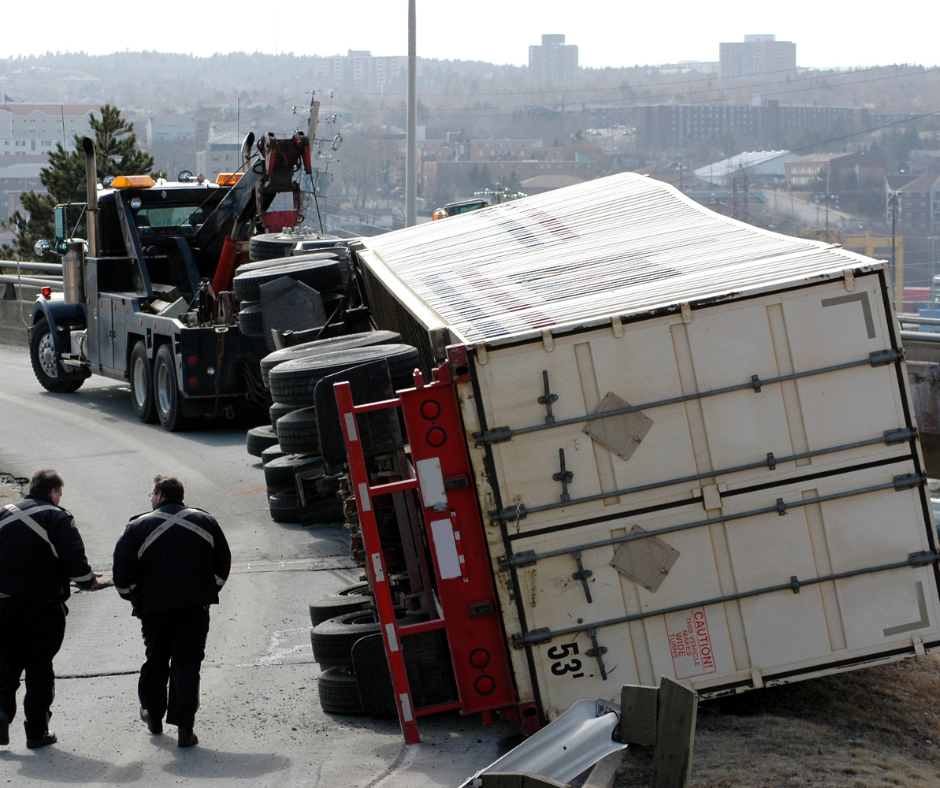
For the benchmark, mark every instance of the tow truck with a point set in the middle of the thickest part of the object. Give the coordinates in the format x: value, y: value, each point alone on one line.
x: 147, y: 298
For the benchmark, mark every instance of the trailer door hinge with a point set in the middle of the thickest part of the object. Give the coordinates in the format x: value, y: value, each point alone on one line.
x: 893, y: 437
x: 495, y: 435
x: 617, y: 325
x: 881, y: 358
x: 686, y: 312
x: 849, y: 274
x: 482, y: 355
x: 532, y: 638
x: 525, y: 558
x: 509, y: 514
x: 908, y: 481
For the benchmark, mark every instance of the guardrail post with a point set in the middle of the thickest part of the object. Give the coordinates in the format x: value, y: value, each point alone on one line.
x: 664, y: 718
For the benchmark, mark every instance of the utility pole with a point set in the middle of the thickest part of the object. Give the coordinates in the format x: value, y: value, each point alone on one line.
x: 893, y: 203
x: 411, y: 157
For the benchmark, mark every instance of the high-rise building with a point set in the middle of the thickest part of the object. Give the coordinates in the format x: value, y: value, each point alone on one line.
x: 758, y: 56
x: 553, y: 61
x: 360, y: 70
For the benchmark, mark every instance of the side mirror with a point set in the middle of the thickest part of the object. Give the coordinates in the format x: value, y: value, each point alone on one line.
x: 42, y: 248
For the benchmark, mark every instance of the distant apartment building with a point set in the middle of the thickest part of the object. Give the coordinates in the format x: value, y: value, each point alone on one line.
x: 766, y: 125
x: 169, y: 128
x: 223, y: 153
x: 34, y: 129
x: 918, y: 202
x: 359, y: 70
x: 553, y: 61
x: 758, y: 56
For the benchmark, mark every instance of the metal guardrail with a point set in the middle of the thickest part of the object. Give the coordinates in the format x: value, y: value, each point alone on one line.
x: 53, y: 280
x: 18, y: 264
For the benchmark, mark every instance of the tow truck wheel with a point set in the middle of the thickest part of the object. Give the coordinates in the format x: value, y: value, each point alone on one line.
x: 142, y: 385
x: 45, y: 360
x: 166, y: 393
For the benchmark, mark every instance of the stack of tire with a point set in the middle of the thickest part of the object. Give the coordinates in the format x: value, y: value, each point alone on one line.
x: 271, y: 246
x: 354, y: 675
x: 291, y: 374
x: 325, y: 272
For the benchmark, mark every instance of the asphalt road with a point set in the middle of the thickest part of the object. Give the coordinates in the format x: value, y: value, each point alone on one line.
x: 260, y: 723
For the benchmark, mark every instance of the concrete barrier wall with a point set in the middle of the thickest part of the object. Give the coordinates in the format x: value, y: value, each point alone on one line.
x: 16, y: 305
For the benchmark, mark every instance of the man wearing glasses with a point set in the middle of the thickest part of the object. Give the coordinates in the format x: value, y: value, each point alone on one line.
x: 171, y: 563
x: 41, y: 551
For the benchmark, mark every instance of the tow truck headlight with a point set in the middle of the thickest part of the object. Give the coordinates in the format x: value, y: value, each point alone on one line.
x: 136, y: 203
x: 210, y: 370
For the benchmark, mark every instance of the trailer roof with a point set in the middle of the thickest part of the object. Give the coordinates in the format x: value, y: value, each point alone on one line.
x: 619, y: 245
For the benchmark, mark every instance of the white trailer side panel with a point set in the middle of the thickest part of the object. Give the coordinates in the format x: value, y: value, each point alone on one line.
x: 760, y: 491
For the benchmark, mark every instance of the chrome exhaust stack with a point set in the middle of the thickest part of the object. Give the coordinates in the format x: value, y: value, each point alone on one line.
x: 91, y: 195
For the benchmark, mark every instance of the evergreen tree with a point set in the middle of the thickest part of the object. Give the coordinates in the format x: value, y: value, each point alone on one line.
x: 117, y: 153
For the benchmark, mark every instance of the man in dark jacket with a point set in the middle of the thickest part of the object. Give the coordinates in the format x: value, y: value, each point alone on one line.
x: 40, y: 552
x: 171, y: 563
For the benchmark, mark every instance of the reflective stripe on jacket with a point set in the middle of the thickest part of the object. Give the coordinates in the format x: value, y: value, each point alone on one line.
x: 41, y: 550
x: 171, y: 558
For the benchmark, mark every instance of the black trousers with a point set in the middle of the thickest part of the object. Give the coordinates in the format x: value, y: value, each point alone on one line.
x: 175, y: 645
x: 31, y: 633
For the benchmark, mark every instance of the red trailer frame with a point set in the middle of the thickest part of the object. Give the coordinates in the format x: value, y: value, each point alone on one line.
x: 453, y: 529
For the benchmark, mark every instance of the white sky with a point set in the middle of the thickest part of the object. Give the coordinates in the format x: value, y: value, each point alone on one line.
x: 607, y: 32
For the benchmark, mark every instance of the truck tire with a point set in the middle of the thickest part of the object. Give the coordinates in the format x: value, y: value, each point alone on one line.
x: 141, y: 375
x: 333, y: 639
x: 297, y: 432
x: 320, y: 346
x: 47, y: 368
x: 271, y: 453
x: 259, y: 264
x: 272, y: 245
x: 318, y: 274
x: 166, y: 393
x: 260, y: 438
x: 294, y: 381
x: 285, y: 507
x: 280, y: 474
x: 250, y: 320
x: 338, y: 691
x: 279, y: 410
x: 350, y: 599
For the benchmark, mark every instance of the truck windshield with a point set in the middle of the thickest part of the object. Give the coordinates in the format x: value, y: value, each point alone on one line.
x: 169, y: 216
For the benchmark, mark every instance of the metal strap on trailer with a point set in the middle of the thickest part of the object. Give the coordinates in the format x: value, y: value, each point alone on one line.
x: 453, y: 529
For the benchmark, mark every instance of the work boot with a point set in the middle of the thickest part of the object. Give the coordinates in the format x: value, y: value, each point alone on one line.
x: 155, y: 726
x: 4, y: 729
x: 186, y: 738
x: 47, y: 738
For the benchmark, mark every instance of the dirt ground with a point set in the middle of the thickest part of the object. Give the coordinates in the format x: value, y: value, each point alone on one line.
x: 871, y: 727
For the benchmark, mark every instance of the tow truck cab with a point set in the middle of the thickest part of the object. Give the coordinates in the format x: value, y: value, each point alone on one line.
x: 158, y: 246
